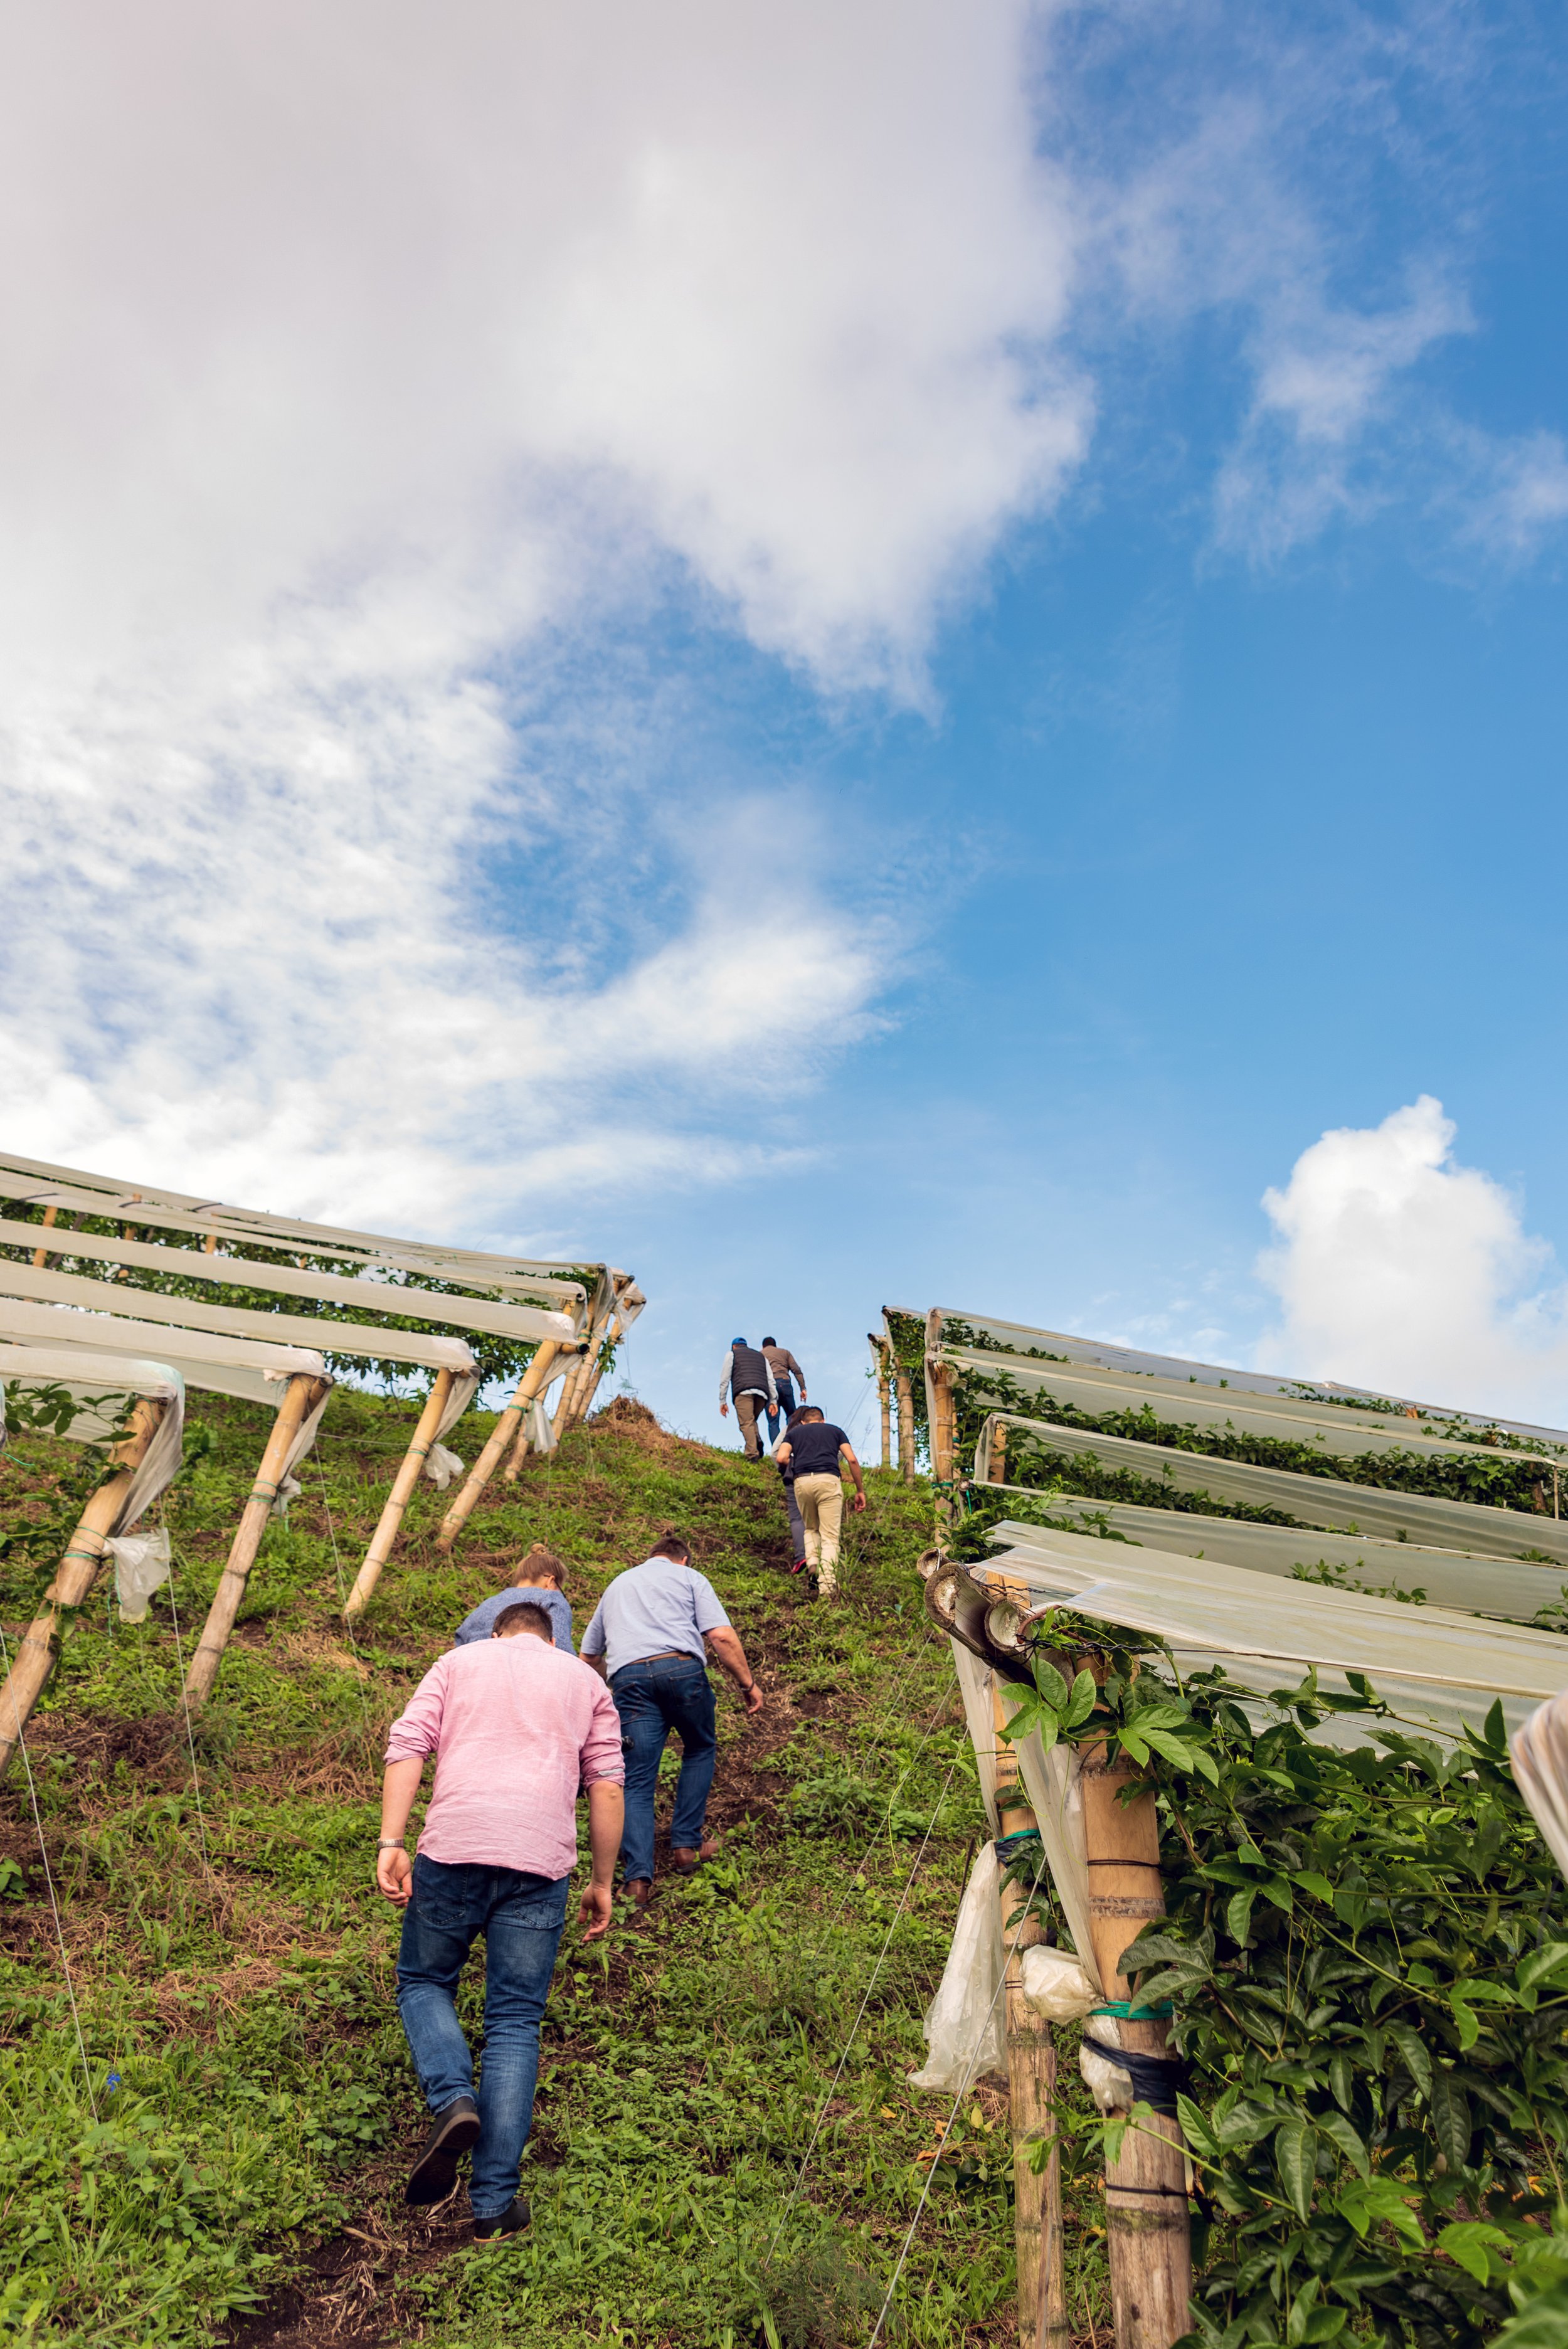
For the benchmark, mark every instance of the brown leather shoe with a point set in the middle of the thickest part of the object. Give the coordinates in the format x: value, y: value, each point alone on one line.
x: 639, y: 1891
x: 685, y: 1861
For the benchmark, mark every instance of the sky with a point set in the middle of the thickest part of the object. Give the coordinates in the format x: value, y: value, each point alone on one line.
x: 890, y: 655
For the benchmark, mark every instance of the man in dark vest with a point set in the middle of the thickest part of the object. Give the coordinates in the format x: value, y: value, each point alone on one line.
x: 748, y: 1376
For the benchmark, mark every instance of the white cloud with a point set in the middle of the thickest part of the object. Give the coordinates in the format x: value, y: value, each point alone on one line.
x: 365, y: 369
x: 1517, y: 495
x: 1396, y: 1267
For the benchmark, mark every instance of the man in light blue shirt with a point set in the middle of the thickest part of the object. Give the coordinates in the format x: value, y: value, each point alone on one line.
x: 646, y: 1636
x: 542, y: 1575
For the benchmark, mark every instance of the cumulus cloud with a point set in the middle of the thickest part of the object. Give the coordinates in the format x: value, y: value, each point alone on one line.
x: 1398, y: 1268
x: 364, y: 369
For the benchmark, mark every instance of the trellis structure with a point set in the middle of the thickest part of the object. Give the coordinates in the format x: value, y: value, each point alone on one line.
x: 1268, y: 1569
x: 219, y: 1287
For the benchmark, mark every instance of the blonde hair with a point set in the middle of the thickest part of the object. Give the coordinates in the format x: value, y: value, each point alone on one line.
x: 541, y: 1565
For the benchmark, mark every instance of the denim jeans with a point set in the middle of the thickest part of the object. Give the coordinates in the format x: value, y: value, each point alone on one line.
x: 786, y: 1395
x: 521, y: 1918
x: 662, y: 1693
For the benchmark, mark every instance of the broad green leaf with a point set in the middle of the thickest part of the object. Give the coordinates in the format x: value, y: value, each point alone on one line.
x: 1325, y: 2324
x: 1239, y: 1914
x: 1318, y: 1885
x: 1051, y: 1685
x: 1296, y: 2158
x: 1466, y: 2240
x: 1081, y: 1703
x: 1335, y: 2125
x: 1132, y: 1746
x: 1378, y: 2201
x: 1541, y: 1962
x: 1451, y: 2118
x: 1196, y: 2127
x: 1543, y: 2324
x: 1466, y: 2023
x: 1301, y: 2312
x: 1341, y: 2075
x: 1175, y: 1749
x: 1409, y: 2045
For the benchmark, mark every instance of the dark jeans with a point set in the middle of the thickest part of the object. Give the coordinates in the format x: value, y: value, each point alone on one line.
x: 662, y: 1693
x: 797, y: 1528
x: 786, y: 1395
x: 521, y: 1918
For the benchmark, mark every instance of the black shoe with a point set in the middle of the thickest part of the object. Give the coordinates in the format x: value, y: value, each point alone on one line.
x: 435, y: 2173
x: 510, y: 2222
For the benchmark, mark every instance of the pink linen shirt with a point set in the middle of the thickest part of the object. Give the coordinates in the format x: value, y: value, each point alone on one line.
x: 514, y: 1724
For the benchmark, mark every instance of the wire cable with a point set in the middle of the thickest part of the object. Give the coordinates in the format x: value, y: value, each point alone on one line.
x: 1008, y: 1955
x: 48, y: 1875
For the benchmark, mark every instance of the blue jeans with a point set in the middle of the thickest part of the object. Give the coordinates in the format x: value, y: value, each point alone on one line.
x: 786, y: 1395
x: 521, y: 1918
x: 662, y: 1693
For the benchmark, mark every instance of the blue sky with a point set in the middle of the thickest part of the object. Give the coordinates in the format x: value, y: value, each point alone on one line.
x: 888, y: 666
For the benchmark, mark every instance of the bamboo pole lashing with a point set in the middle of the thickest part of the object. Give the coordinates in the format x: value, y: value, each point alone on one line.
x: 402, y: 1493
x: 300, y: 1398
x: 508, y: 1424
x: 74, y: 1578
x: 1148, y: 2224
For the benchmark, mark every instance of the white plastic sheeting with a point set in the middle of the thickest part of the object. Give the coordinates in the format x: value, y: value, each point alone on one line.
x: 1024, y: 1339
x: 206, y: 1358
x: 1380, y: 1510
x: 97, y: 1377
x: 1469, y: 1580
x: 141, y: 1566
x: 1539, y: 1752
x: 964, y: 2033
x: 1343, y: 1434
x: 1437, y: 1669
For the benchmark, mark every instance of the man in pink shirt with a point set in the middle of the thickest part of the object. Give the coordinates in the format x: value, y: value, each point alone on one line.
x: 515, y: 1724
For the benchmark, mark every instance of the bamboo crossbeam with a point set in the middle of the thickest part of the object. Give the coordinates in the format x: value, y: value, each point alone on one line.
x: 1148, y: 2224
x: 300, y: 1398
x: 74, y: 1578
x: 402, y: 1493
x: 509, y: 1424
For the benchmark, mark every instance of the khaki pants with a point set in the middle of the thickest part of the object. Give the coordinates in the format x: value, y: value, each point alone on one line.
x: 821, y: 1501
x: 747, y: 1409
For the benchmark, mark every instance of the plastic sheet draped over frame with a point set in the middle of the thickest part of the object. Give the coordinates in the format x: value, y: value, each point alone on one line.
x: 1437, y: 1667
x: 1468, y: 1579
x: 1343, y: 1434
x: 243, y: 1367
x: 97, y: 1377
x: 1539, y: 1752
x: 1380, y: 1510
x: 964, y: 2026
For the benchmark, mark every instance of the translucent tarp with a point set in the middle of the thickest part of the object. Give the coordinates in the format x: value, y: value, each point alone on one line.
x: 1466, y: 1579
x: 208, y: 1359
x: 74, y: 1190
x: 1022, y: 1338
x: 95, y: 1380
x: 1437, y: 1667
x: 1342, y: 1435
x: 527, y: 1322
x: 1378, y: 1510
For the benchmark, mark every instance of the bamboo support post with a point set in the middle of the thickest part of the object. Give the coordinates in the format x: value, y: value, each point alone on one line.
x: 74, y: 1578
x: 41, y: 1255
x: 509, y: 1424
x: 885, y: 1397
x: 402, y: 1493
x: 571, y: 1386
x: 905, y: 1426
x: 944, y: 1429
x: 1031, y: 2094
x: 300, y: 1398
x: 1148, y: 2224
x: 999, y: 1455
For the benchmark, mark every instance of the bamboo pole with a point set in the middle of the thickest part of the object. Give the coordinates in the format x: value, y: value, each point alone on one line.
x: 884, y: 1395
x: 300, y: 1398
x: 571, y: 1386
x: 905, y: 1426
x: 593, y: 1377
x: 944, y: 1427
x: 1031, y: 2093
x: 398, y: 1498
x: 41, y: 1255
x: 74, y: 1578
x: 999, y: 1457
x: 509, y: 1424
x: 1148, y: 2225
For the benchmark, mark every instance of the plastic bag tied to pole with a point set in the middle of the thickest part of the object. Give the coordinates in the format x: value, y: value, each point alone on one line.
x: 963, y: 2023
x: 140, y: 1568
x: 441, y: 1465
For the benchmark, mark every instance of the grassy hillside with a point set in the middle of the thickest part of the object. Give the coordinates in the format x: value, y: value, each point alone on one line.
x: 228, y: 2161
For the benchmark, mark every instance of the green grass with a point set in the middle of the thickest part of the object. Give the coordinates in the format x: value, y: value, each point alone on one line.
x: 232, y: 1962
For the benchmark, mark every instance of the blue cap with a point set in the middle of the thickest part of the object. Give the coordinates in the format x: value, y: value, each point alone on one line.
x: 737, y: 1341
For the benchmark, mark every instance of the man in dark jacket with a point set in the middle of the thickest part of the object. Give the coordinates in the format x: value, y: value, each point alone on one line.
x: 748, y: 1377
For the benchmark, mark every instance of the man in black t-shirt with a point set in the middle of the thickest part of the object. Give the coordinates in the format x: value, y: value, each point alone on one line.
x: 811, y: 1455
